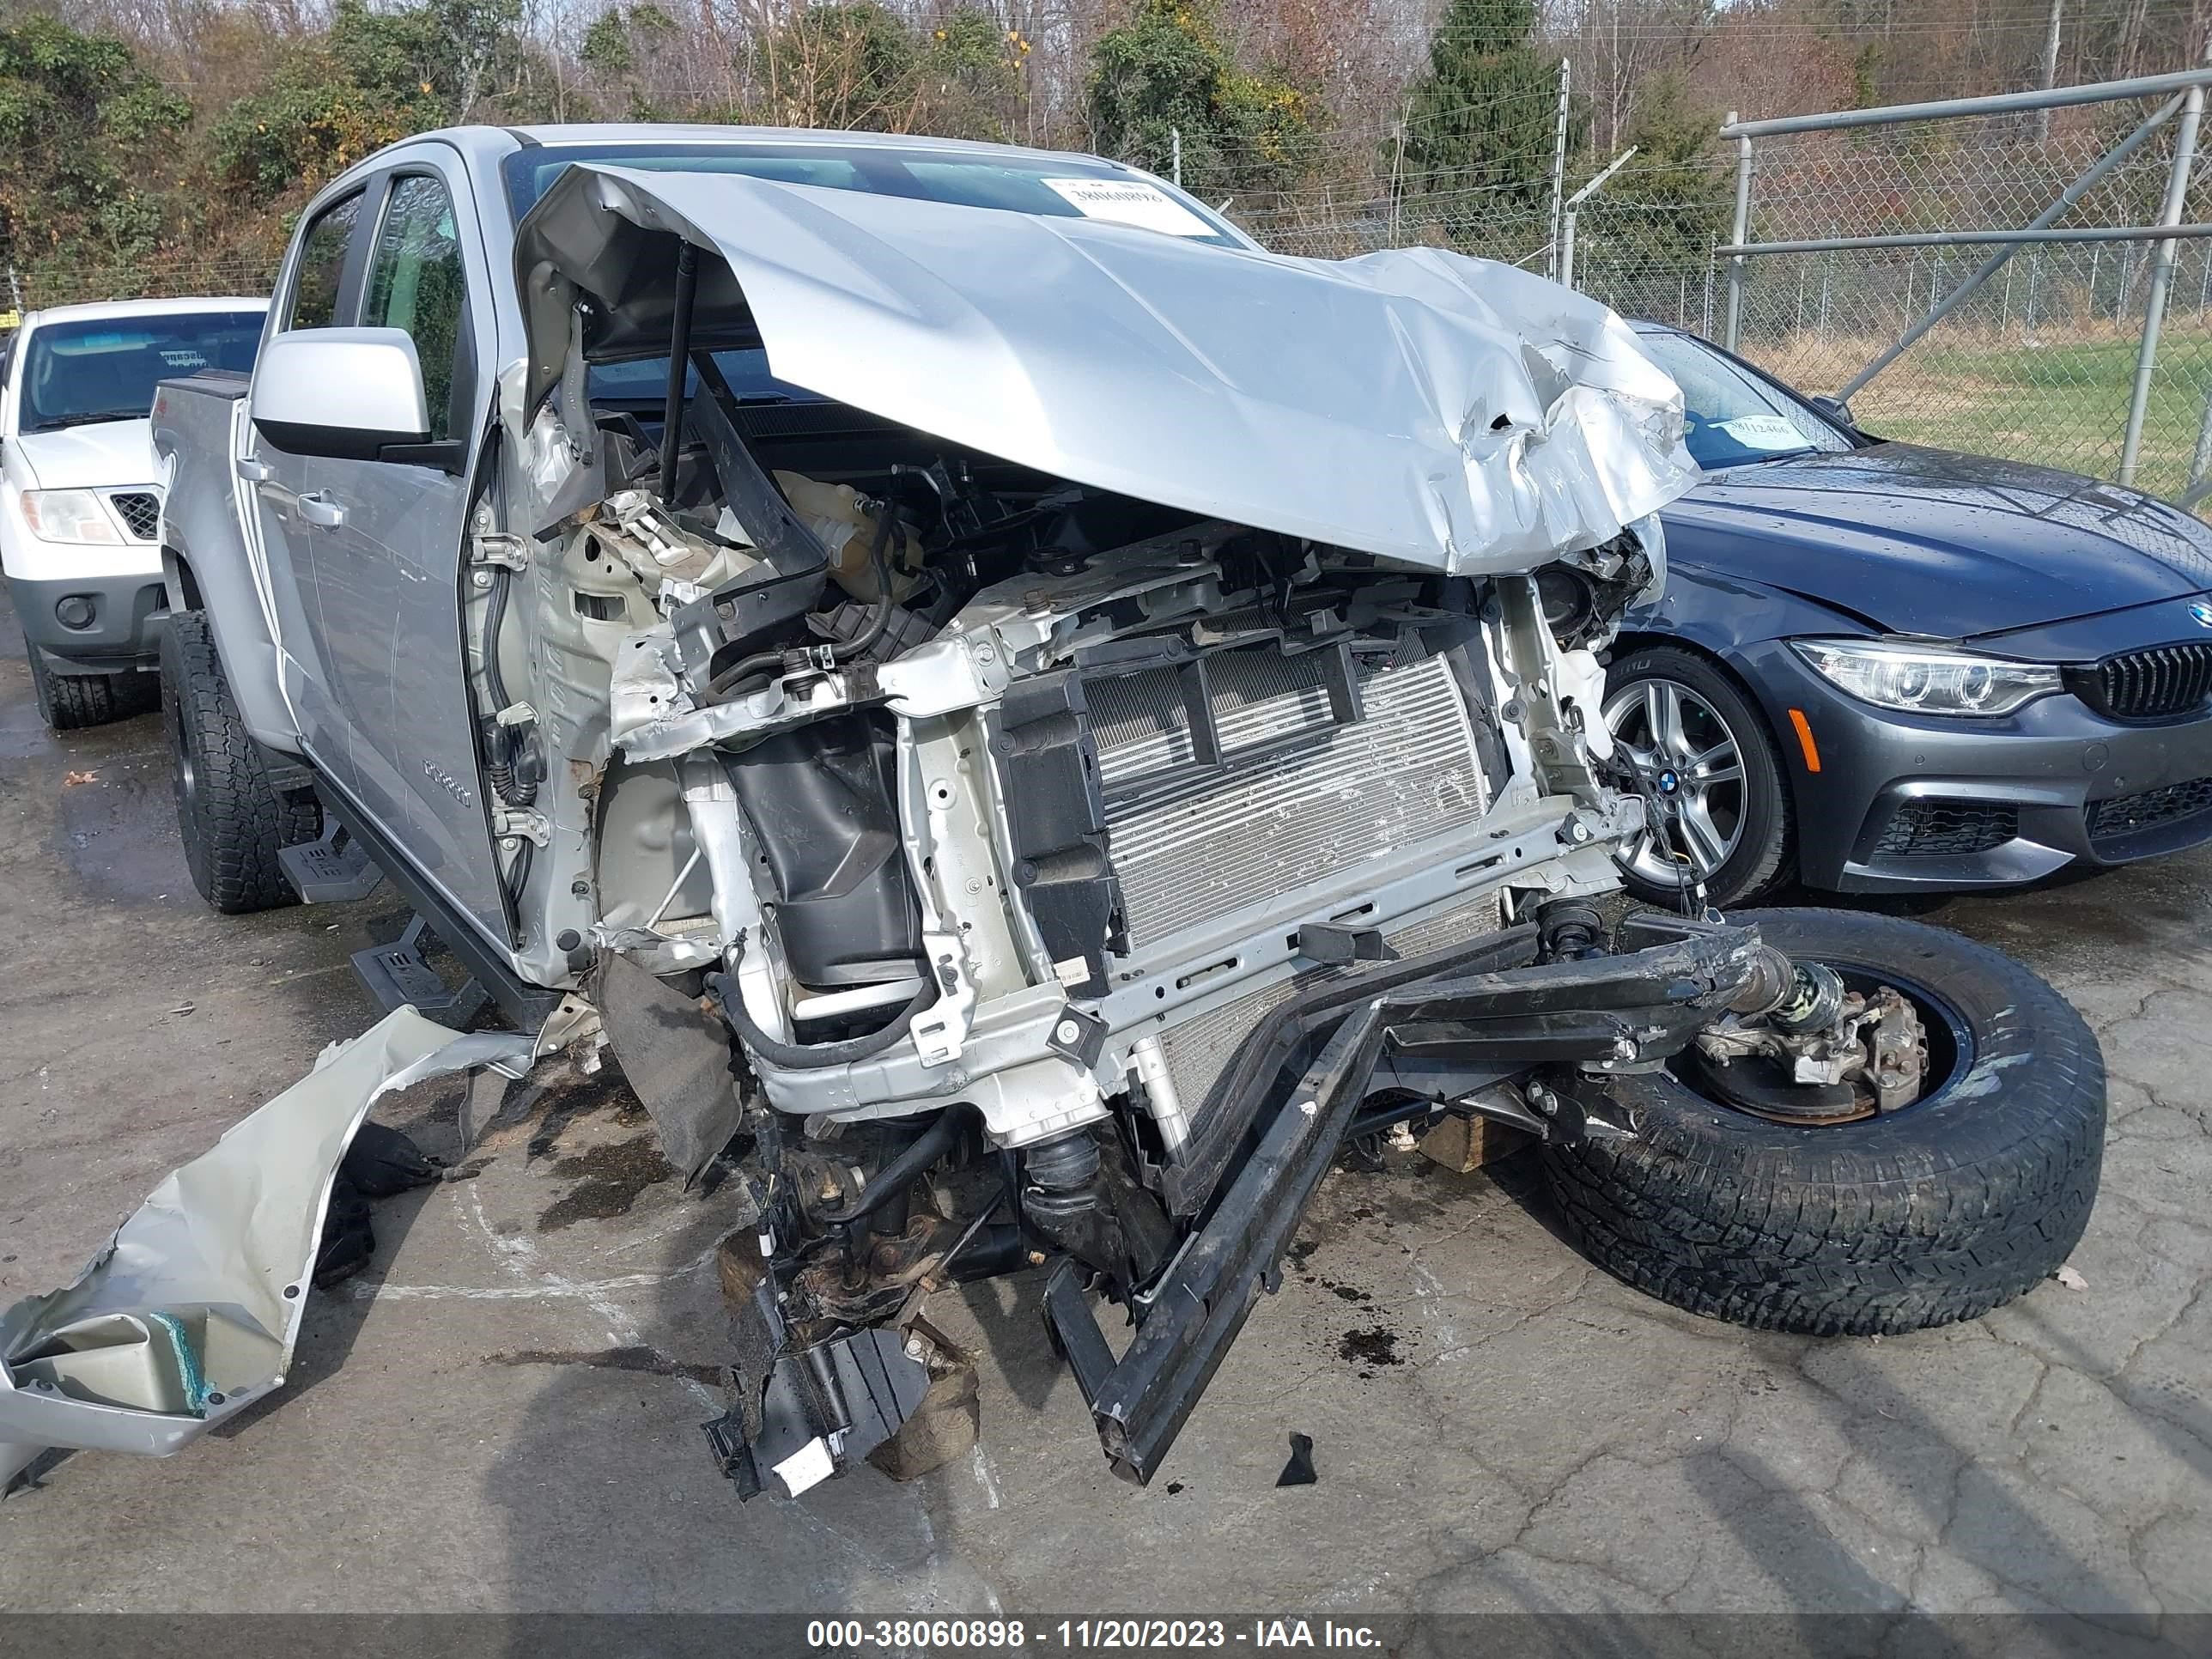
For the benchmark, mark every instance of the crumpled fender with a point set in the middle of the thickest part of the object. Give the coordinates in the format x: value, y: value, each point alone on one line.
x: 190, y: 1313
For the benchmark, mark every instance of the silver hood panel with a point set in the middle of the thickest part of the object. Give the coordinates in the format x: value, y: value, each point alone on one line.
x: 1416, y: 404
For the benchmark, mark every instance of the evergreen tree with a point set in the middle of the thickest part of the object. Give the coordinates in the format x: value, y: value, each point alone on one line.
x: 1675, y: 198
x: 1481, y: 123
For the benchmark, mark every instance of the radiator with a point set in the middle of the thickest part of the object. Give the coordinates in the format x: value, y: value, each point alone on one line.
x: 1300, y: 798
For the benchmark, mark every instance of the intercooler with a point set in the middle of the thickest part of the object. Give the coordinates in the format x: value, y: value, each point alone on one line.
x: 1301, y: 795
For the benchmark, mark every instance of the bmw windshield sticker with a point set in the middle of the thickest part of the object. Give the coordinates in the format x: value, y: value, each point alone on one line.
x: 1763, y: 432
x: 1129, y: 201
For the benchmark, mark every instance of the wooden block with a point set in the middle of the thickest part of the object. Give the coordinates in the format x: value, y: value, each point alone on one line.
x: 1462, y: 1143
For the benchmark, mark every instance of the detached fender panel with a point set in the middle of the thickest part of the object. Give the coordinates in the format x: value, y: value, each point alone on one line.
x: 191, y: 1312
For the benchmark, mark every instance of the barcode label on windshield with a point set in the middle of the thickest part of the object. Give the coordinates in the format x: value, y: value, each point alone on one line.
x: 1129, y: 201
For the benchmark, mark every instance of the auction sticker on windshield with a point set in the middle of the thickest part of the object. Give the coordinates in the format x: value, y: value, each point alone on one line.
x: 1129, y: 201
x: 1763, y: 432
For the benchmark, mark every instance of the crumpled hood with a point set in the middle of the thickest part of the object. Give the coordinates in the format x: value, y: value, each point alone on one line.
x: 1933, y: 542
x: 113, y: 455
x: 1416, y: 404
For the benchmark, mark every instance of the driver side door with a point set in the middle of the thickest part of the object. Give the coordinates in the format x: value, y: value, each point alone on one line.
x: 391, y: 578
x: 320, y: 289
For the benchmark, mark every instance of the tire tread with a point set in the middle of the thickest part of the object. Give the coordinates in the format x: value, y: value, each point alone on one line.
x: 1949, y: 1214
x: 234, y: 821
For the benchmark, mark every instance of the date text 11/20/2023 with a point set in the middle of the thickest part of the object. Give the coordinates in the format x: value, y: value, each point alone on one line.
x: 986, y: 1635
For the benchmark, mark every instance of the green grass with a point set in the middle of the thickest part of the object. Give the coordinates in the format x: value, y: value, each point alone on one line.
x: 2063, y: 403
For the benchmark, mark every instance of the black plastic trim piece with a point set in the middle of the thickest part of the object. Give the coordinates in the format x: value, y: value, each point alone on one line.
x: 449, y: 455
x: 337, y: 443
x: 1047, y: 767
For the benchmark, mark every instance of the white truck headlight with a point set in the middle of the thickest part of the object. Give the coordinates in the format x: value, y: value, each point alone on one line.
x: 68, y: 515
x: 1919, y: 679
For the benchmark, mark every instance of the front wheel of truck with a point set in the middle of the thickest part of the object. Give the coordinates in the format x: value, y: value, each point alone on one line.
x: 232, y: 818
x: 1869, y: 1223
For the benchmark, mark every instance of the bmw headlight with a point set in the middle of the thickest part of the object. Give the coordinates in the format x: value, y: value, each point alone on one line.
x: 1920, y: 679
x: 68, y: 515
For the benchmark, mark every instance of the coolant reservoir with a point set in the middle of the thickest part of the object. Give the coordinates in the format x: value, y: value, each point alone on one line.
x: 833, y: 512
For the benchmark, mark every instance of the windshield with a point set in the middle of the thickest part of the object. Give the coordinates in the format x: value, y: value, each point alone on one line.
x: 642, y: 382
x: 1735, y: 417
x: 1058, y: 186
x: 76, y: 373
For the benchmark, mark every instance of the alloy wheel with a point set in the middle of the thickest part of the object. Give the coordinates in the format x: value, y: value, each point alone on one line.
x: 1686, y: 755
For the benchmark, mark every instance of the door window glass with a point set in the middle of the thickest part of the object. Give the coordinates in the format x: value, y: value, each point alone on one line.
x: 322, y: 265
x: 417, y: 282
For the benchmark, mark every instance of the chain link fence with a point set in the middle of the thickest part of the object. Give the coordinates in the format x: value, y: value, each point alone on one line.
x: 2037, y: 365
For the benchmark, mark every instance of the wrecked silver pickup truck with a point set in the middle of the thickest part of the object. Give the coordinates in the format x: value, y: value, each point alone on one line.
x: 1026, y: 723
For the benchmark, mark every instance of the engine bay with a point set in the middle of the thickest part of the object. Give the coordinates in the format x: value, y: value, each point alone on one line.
x: 951, y: 815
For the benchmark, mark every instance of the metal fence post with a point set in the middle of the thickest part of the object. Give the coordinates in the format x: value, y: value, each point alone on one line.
x: 1558, y: 169
x: 1737, y: 235
x: 2177, y: 196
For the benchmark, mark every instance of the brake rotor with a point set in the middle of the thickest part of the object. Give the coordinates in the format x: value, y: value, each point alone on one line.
x: 1759, y: 1086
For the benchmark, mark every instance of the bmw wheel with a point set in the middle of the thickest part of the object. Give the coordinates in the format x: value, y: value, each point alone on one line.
x: 1704, y: 753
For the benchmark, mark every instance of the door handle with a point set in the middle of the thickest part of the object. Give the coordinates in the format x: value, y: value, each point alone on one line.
x: 318, y: 508
x: 251, y: 471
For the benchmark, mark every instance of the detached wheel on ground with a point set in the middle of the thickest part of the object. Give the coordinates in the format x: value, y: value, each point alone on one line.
x: 1704, y: 752
x: 232, y: 818
x: 1938, y: 1211
x: 70, y: 703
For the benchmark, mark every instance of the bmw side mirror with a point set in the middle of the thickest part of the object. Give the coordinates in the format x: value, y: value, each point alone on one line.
x: 1836, y: 410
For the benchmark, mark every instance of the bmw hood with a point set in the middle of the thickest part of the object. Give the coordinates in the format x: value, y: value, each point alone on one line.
x: 1928, y: 542
x: 1449, y: 412
x: 113, y: 455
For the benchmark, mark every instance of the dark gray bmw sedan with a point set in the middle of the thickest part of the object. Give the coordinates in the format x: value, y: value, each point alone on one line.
x: 1880, y: 667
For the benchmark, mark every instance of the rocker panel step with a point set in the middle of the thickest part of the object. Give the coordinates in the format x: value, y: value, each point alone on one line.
x: 400, y: 974
x: 335, y: 870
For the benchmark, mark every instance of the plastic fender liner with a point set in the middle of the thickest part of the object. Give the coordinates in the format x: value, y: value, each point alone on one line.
x: 190, y: 1313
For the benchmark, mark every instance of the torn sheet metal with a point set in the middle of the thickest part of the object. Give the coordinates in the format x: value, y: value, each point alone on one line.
x: 191, y: 1312
x: 1454, y: 413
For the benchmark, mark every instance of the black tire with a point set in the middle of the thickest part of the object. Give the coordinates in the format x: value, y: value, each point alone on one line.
x: 1938, y: 1211
x: 70, y: 703
x: 231, y: 819
x: 1766, y: 851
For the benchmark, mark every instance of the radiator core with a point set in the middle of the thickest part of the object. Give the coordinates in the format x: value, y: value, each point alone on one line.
x: 1300, y: 796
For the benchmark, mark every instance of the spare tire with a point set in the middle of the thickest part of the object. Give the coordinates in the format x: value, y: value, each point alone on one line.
x: 1939, y: 1210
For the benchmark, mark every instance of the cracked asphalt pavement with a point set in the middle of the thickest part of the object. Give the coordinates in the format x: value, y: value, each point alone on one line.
x: 503, y: 1412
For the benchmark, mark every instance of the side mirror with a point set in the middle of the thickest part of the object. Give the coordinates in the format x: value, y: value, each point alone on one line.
x: 1835, y: 409
x: 349, y: 394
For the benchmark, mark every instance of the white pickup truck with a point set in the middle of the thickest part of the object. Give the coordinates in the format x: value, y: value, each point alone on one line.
x: 1026, y: 722
x: 80, y: 495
